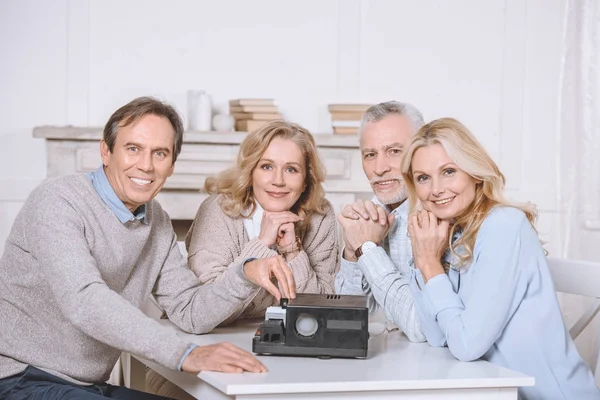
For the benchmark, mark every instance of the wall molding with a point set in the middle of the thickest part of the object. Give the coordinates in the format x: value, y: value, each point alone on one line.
x: 349, y: 35
x: 514, y: 71
x: 78, y: 62
x: 589, y: 30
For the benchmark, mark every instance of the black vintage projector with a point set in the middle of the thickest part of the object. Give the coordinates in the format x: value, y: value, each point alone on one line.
x: 321, y: 325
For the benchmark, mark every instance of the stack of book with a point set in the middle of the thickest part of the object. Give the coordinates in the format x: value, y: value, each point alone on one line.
x: 346, y: 118
x: 251, y: 114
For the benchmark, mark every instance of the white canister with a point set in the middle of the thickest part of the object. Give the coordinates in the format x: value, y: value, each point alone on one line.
x: 199, y: 111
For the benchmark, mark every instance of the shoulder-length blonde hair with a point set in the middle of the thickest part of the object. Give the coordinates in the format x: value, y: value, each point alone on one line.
x: 235, y: 183
x: 470, y: 156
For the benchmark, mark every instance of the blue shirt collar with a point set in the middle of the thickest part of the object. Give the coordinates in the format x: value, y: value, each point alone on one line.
x: 108, y: 195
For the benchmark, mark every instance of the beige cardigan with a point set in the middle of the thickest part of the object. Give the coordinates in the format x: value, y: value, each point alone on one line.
x: 216, y: 243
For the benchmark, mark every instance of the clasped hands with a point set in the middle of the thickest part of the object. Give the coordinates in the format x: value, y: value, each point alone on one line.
x: 363, y: 221
x: 429, y: 240
x: 276, y: 228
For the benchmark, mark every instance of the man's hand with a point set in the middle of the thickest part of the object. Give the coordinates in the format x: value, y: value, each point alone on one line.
x: 358, y: 231
x: 366, y: 210
x: 261, y: 272
x: 221, y: 357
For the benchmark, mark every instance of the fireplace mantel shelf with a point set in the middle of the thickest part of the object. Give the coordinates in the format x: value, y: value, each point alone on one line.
x: 75, y: 150
x: 198, y: 137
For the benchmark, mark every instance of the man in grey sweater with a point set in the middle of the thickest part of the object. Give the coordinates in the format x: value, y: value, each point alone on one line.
x: 87, y: 251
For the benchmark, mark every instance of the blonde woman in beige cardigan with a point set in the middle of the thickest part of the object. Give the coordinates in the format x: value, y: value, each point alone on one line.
x: 271, y: 203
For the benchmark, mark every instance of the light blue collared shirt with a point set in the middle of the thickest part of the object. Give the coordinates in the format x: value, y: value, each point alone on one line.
x: 108, y: 195
x: 383, y: 274
x: 503, y: 308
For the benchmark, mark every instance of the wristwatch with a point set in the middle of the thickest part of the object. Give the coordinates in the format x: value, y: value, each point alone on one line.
x: 366, y: 246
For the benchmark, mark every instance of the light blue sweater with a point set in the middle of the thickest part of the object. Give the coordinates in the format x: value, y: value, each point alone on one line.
x: 503, y: 309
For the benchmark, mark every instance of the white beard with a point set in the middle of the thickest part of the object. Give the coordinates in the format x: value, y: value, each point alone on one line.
x: 390, y: 198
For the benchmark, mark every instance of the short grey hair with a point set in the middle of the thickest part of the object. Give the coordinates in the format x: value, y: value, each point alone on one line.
x: 379, y: 111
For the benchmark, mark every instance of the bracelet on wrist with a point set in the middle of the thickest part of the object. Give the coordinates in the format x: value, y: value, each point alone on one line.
x: 296, y: 245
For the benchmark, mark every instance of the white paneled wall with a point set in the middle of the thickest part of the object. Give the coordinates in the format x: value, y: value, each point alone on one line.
x: 33, y: 82
x: 492, y: 64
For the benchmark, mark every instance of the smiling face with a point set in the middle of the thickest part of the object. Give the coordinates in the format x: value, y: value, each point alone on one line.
x: 278, y: 179
x: 382, y: 146
x: 443, y: 188
x: 141, y: 160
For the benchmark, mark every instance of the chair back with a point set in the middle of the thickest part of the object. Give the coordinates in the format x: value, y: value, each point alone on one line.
x: 580, y: 278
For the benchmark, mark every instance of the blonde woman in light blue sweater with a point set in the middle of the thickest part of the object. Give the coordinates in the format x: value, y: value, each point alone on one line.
x: 480, y: 281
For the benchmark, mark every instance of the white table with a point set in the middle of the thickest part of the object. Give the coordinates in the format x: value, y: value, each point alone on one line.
x: 394, y: 369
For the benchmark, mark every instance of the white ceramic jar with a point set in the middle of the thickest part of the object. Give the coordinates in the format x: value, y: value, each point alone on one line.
x: 199, y: 110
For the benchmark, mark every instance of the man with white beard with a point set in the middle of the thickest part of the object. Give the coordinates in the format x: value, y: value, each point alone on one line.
x: 375, y: 231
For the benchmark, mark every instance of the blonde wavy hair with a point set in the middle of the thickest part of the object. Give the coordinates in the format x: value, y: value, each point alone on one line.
x: 470, y: 156
x: 235, y: 183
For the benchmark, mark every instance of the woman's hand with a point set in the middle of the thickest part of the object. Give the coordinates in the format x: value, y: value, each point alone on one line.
x: 264, y: 271
x: 272, y: 223
x: 286, y: 235
x: 286, y: 241
x: 429, y: 239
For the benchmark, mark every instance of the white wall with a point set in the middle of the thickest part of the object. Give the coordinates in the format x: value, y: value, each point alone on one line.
x: 493, y: 64
x: 33, y: 82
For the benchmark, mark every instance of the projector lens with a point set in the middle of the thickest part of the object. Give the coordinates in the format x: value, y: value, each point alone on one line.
x: 306, y: 325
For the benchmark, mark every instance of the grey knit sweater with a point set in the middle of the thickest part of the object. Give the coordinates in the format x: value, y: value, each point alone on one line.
x: 217, y: 244
x: 73, y: 277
